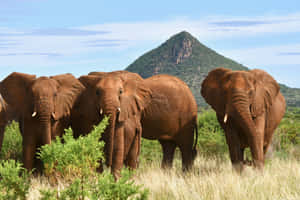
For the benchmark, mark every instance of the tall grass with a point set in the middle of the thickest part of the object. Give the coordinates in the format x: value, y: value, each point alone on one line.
x: 214, y: 179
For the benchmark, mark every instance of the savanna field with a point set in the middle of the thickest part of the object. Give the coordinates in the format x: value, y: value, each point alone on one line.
x: 70, y: 168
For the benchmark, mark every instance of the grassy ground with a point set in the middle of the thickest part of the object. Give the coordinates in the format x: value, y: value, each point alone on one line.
x: 214, y: 179
x: 211, y: 179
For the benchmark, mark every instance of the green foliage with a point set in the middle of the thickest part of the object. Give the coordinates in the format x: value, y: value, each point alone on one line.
x: 287, y: 137
x: 12, y: 142
x: 74, y: 162
x: 150, y: 151
x: 14, y: 180
x: 73, y: 156
x: 211, y: 136
x: 107, y: 188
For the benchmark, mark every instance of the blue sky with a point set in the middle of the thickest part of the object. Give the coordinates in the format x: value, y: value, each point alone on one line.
x: 47, y: 37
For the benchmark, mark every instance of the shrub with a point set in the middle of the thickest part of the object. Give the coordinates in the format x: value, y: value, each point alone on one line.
x: 69, y: 157
x: 286, y: 140
x: 14, y: 180
x: 150, y: 151
x: 74, y: 161
x: 211, y: 139
x: 12, y: 142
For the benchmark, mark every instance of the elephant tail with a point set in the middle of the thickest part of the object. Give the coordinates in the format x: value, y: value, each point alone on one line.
x: 196, y: 141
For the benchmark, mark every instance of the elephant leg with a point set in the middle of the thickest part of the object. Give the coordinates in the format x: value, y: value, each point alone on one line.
x: 235, y: 150
x: 257, y: 142
x: 134, y: 151
x: 168, y: 148
x: 29, y: 148
x: 187, y: 156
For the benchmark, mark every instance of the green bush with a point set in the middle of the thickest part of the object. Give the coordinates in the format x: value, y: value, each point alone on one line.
x: 150, y: 151
x: 74, y: 161
x: 14, y: 180
x: 211, y: 139
x: 286, y: 140
x: 12, y: 143
x: 69, y: 157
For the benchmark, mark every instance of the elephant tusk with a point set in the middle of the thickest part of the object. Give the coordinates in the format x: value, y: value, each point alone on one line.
x: 53, y: 115
x: 225, y: 118
x: 119, y: 109
x: 101, y: 111
x: 33, y: 114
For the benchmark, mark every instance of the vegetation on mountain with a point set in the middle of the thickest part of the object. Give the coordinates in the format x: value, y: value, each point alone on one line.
x: 185, y: 57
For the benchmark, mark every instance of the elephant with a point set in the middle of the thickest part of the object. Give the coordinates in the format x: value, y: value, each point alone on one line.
x: 164, y: 115
x: 171, y: 118
x: 44, y: 106
x: 121, y: 96
x: 249, y: 106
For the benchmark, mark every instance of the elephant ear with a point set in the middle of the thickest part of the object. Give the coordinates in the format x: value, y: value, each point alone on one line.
x: 266, y: 90
x: 97, y: 73
x: 69, y: 88
x: 135, y: 97
x: 211, y: 89
x: 15, y: 90
x: 90, y: 80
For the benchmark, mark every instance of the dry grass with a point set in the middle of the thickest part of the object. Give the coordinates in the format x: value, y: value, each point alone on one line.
x: 211, y: 179
x: 214, y: 179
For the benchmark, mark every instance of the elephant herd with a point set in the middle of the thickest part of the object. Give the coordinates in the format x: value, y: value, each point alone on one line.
x: 248, y: 104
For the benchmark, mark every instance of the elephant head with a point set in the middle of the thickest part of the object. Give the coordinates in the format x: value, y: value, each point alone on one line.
x: 120, y: 95
x: 42, y: 102
x: 240, y: 97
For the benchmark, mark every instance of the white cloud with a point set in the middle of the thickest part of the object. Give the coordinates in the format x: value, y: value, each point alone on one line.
x: 33, y: 49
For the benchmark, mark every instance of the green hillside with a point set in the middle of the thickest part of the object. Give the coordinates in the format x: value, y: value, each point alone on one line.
x: 185, y: 57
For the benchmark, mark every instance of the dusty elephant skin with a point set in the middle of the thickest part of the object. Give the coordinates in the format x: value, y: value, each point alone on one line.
x: 171, y: 118
x: 163, y: 105
x: 249, y: 107
x: 43, y: 105
x: 122, y: 96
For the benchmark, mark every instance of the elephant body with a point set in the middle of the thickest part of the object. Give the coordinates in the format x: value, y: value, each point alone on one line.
x: 249, y: 107
x: 171, y: 118
x: 161, y: 107
x: 43, y: 105
x: 118, y: 95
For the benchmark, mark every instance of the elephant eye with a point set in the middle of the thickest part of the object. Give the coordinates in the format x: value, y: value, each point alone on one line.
x: 98, y: 92
x: 121, y: 91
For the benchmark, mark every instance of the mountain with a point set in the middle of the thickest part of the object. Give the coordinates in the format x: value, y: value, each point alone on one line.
x: 185, y: 57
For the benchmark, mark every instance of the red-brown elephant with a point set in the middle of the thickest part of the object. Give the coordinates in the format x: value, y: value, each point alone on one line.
x: 167, y: 107
x: 122, y: 96
x: 249, y: 107
x: 171, y: 118
x: 43, y: 104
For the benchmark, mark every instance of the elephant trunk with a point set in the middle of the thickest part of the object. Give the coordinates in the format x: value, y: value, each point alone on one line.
x: 241, y: 108
x: 43, y: 111
x: 109, y: 138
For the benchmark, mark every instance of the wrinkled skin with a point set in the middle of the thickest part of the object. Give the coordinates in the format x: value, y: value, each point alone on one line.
x: 121, y: 96
x: 249, y: 107
x: 171, y: 118
x: 43, y: 106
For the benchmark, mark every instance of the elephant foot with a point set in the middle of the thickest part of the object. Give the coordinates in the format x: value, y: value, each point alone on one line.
x: 248, y: 162
x: 238, y: 167
x: 259, y: 165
